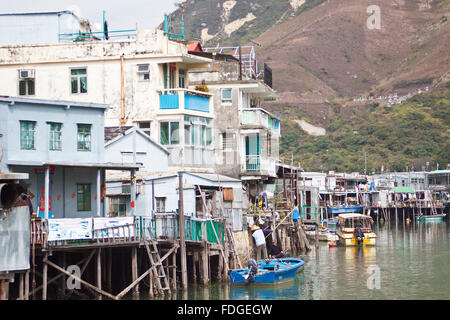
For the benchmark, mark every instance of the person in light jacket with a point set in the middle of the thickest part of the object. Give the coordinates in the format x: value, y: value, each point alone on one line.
x: 260, y: 242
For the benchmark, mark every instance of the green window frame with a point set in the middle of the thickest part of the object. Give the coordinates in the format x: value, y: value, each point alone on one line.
x: 225, y: 94
x: 27, y: 135
x: 55, y: 136
x: 78, y: 80
x: 181, y: 78
x: 197, y: 131
x: 169, y: 133
x: 118, y: 206
x: 84, y: 137
x: 83, y: 197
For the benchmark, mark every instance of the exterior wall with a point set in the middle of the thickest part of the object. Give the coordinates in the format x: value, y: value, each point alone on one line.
x: 416, y: 180
x: 224, y: 74
x: 102, y: 60
x: 164, y: 187
x: 152, y: 157
x: 52, y: 65
x: 63, y: 190
x: 42, y: 114
x: 36, y: 28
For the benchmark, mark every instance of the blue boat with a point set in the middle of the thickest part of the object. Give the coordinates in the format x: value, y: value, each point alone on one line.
x: 272, y: 271
x: 432, y: 217
x: 345, y: 209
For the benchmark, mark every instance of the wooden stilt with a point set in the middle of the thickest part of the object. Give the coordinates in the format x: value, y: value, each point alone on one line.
x: 134, y: 270
x: 79, y: 279
x: 27, y: 285
x: 99, y: 271
x: 174, y: 270
x: 204, y: 264
x: 44, y: 277
x: 194, y: 266
x: 21, y: 285
x: 109, y: 270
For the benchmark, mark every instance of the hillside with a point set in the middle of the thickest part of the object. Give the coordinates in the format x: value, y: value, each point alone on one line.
x: 324, y: 57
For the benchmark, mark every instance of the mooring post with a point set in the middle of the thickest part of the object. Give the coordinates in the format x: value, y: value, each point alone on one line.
x: 182, y: 236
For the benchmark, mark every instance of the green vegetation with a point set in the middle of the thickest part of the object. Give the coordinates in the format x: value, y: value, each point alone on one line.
x: 411, y: 133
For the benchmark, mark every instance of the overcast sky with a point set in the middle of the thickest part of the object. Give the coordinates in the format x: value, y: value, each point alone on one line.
x: 120, y: 14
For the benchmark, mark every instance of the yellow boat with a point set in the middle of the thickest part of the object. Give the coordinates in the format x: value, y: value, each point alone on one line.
x: 355, y: 229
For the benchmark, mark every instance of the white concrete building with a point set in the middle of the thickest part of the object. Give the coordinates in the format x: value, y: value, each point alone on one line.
x: 144, y: 79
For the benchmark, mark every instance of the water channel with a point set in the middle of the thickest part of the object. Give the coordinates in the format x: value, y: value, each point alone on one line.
x: 409, y: 262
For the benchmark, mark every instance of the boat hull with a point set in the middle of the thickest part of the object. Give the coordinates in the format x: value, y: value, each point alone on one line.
x: 349, y: 240
x: 437, y: 217
x: 349, y: 209
x: 288, y: 268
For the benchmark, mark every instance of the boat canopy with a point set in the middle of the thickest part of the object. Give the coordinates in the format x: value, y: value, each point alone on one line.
x: 345, y: 216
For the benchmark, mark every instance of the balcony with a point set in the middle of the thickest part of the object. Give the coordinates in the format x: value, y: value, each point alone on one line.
x: 259, y: 118
x: 260, y: 165
x: 184, y: 99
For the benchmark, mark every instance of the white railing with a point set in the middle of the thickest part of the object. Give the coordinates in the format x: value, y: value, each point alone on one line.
x: 260, y: 164
x: 261, y: 118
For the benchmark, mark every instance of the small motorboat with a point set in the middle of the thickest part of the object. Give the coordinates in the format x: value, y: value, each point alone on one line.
x: 355, y: 229
x: 273, y: 271
x: 431, y: 217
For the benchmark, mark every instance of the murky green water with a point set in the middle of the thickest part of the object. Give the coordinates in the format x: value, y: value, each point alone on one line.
x: 413, y: 263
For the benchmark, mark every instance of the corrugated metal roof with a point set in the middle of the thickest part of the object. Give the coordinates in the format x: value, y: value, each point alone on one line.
x: 440, y: 172
x: 214, y: 177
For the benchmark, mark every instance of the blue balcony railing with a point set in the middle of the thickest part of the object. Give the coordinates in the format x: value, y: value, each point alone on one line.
x: 184, y: 99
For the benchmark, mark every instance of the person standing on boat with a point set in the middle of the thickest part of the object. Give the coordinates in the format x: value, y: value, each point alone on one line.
x: 260, y: 242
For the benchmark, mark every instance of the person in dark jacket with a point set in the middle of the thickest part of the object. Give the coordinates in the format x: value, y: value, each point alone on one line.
x: 275, y: 251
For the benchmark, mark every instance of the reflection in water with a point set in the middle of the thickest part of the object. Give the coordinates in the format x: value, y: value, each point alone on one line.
x: 412, y: 261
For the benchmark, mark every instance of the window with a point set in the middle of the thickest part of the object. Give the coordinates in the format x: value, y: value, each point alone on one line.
x: 84, y: 137
x: 83, y: 197
x: 26, y: 87
x: 144, y: 72
x: 227, y: 141
x: 27, y: 131
x: 117, y: 206
x: 226, y: 96
x: 197, y: 131
x: 145, y: 127
x: 78, y: 80
x: 181, y: 78
x: 160, y: 204
x: 55, y: 135
x: 169, y: 133
x: 187, y: 134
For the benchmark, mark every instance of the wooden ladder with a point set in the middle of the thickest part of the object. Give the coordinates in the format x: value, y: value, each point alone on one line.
x: 157, y: 268
x: 233, y: 246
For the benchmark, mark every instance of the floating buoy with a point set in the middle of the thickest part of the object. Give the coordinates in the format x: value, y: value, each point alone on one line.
x: 332, y: 244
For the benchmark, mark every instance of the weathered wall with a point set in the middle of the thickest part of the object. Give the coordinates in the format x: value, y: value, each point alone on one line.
x: 36, y: 28
x: 42, y: 114
x: 63, y: 190
x: 152, y: 157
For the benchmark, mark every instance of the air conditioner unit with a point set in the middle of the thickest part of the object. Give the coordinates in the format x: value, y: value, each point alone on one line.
x: 26, y: 74
x: 143, y: 68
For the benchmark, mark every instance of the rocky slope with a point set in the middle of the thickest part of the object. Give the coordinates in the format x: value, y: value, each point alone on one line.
x: 327, y: 63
